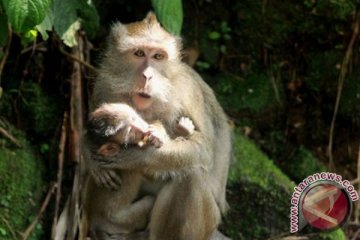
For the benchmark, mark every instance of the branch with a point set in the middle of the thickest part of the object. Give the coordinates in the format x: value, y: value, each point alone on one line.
x: 60, y: 170
x: 25, y: 235
x: 356, y: 234
x: 356, y: 180
x: 76, y: 131
x: 341, y: 80
x: 10, y: 137
x: 86, y: 64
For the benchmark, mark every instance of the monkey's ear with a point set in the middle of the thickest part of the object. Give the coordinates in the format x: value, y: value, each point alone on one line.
x: 108, y: 149
x: 151, y: 18
x: 118, y: 31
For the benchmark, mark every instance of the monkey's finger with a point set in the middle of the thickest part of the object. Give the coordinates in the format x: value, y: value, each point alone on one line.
x: 111, y: 180
x: 101, y: 181
x: 155, y: 141
x: 109, y: 184
x: 144, y: 141
x: 116, y: 179
x: 103, y: 178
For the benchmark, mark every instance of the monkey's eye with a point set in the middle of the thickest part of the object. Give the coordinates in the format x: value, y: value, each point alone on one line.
x: 159, y: 56
x: 139, y: 53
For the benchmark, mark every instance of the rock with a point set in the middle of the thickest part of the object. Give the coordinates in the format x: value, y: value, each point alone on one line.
x: 259, y: 197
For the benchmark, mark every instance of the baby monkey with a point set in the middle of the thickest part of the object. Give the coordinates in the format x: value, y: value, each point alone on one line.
x: 123, y: 126
x: 124, y: 210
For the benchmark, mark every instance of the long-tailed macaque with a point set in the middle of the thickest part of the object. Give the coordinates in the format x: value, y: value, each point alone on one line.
x: 114, y: 211
x: 142, y: 68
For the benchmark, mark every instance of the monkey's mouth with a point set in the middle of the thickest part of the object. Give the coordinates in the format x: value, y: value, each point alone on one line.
x: 144, y: 95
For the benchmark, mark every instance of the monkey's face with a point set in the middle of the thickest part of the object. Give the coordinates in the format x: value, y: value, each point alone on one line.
x: 147, y: 51
x: 150, y: 82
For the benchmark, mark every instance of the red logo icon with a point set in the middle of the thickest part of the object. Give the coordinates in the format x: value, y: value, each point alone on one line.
x: 325, y: 206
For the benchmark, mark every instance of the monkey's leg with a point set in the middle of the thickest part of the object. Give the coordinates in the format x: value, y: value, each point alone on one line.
x: 134, y: 216
x: 185, y: 209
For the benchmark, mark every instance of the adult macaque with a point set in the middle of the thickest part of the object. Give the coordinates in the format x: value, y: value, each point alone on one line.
x: 142, y: 68
x: 111, y: 212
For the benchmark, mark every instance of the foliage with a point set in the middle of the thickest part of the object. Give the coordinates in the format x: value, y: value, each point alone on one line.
x: 24, y: 15
x: 322, y: 67
x: 350, y: 101
x: 20, y: 187
x: 335, y: 235
x: 254, y: 93
x: 170, y: 14
x: 65, y: 17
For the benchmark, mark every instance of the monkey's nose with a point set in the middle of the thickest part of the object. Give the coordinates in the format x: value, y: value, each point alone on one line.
x: 147, y: 78
x: 148, y: 73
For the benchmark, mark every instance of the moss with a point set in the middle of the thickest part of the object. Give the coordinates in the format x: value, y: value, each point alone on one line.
x: 20, y: 187
x: 336, y: 235
x: 302, y: 165
x: 253, y: 93
x: 39, y: 109
x: 252, y: 165
x: 259, y: 196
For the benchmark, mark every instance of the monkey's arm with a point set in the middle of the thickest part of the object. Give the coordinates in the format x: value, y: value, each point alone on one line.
x: 174, y: 155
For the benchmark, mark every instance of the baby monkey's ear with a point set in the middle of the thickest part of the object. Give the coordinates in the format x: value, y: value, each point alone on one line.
x: 108, y: 149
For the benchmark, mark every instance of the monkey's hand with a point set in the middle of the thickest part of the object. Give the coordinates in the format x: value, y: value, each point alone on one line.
x: 185, y: 127
x: 103, y: 177
x: 106, y: 178
x: 156, y: 135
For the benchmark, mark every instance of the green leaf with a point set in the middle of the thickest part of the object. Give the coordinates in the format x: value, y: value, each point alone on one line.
x: 2, y: 231
x: 25, y: 14
x: 29, y: 37
x: 66, y: 21
x: 69, y: 37
x: 3, y: 30
x: 89, y: 16
x: 223, y: 49
x: 46, y: 25
x: 214, y: 35
x: 170, y: 14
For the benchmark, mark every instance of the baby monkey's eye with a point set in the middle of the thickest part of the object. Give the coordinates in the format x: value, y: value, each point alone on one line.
x: 159, y: 56
x: 139, y: 53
